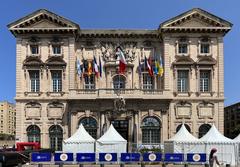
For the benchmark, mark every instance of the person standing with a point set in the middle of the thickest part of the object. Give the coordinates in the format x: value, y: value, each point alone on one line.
x: 213, y: 161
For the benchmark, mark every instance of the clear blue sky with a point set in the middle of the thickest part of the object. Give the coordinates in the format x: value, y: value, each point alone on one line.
x: 125, y: 14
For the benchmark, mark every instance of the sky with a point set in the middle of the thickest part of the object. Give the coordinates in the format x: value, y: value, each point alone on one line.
x: 119, y: 14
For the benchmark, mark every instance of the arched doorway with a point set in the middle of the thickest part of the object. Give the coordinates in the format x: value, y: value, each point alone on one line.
x: 203, y: 129
x: 56, y: 137
x: 33, y: 133
x: 90, y: 124
x: 186, y: 125
x: 151, y: 130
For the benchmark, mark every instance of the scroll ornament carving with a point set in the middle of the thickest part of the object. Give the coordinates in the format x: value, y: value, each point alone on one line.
x: 108, y: 50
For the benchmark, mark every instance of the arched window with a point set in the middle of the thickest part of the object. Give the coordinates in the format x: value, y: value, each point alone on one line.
x: 33, y: 133
x: 150, y: 130
x: 186, y: 125
x: 90, y: 124
x: 56, y: 137
x: 119, y: 82
x: 203, y: 129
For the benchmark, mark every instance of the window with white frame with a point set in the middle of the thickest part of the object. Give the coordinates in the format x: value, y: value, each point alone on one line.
x: 182, y: 80
x: 205, y: 46
x: 56, y: 49
x: 182, y: 47
x: 205, y: 81
x: 34, y: 49
x: 148, y: 81
x: 34, y: 81
x: 119, y: 82
x: 89, y: 81
x: 56, y: 80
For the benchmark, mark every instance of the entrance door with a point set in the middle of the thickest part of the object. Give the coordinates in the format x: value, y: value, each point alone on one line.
x: 122, y: 127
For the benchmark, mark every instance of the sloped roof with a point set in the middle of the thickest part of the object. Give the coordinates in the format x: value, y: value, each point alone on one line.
x: 201, y: 19
x: 111, y: 136
x: 42, y: 20
x: 213, y: 135
x: 80, y: 136
x: 183, y: 136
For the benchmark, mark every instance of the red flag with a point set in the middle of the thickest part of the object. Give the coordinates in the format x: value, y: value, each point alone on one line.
x: 149, y: 66
x: 122, y: 60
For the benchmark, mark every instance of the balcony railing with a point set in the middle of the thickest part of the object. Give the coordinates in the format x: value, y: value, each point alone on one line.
x: 110, y: 92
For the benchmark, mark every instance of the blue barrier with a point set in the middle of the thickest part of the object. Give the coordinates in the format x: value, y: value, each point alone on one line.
x: 63, y: 157
x: 125, y: 157
x: 196, y: 157
x: 130, y: 157
x: 41, y: 157
x: 175, y: 157
x: 108, y: 157
x: 86, y: 157
x: 152, y: 157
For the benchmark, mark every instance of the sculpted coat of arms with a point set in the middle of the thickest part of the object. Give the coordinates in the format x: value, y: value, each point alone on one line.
x: 108, y: 50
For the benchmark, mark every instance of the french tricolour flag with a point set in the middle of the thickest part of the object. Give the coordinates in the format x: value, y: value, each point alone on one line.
x: 122, y: 60
x: 95, y: 66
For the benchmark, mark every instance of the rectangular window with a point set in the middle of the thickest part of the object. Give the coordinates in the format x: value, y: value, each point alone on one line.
x: 182, y: 48
x: 89, y: 81
x: 56, y: 49
x: 57, y: 81
x: 34, y: 81
x: 205, y: 81
x: 205, y: 48
x: 182, y: 80
x: 34, y: 49
x: 148, y: 81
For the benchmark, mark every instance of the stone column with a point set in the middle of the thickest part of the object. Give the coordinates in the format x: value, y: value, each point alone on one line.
x: 166, y: 60
x: 71, y: 64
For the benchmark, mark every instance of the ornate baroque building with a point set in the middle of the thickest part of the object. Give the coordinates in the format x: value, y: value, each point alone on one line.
x: 52, y: 99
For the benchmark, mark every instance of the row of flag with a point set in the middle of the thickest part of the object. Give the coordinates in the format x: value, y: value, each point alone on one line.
x: 154, y: 67
x: 90, y: 67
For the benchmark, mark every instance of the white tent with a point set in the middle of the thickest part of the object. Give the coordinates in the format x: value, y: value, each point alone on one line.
x: 237, y: 139
x: 181, y: 142
x: 111, y: 141
x: 80, y: 141
x: 226, y: 148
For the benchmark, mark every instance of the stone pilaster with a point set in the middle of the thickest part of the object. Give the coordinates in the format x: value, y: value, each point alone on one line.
x: 72, y: 63
x: 19, y: 80
x: 166, y: 63
x: 220, y: 67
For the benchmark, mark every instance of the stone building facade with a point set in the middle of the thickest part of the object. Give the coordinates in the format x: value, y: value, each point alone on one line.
x: 7, y: 118
x: 53, y: 95
x: 232, y: 120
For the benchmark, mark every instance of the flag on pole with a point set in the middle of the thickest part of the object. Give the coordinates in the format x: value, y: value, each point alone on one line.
x: 100, y: 67
x: 89, y: 68
x: 79, y: 70
x: 122, y: 60
x: 95, y: 67
x: 156, y: 67
x: 161, y: 70
x: 139, y: 67
x: 148, y: 64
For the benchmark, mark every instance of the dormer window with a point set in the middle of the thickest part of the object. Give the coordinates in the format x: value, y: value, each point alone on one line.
x: 205, y: 47
x: 182, y: 47
x: 34, y: 49
x: 56, y: 49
